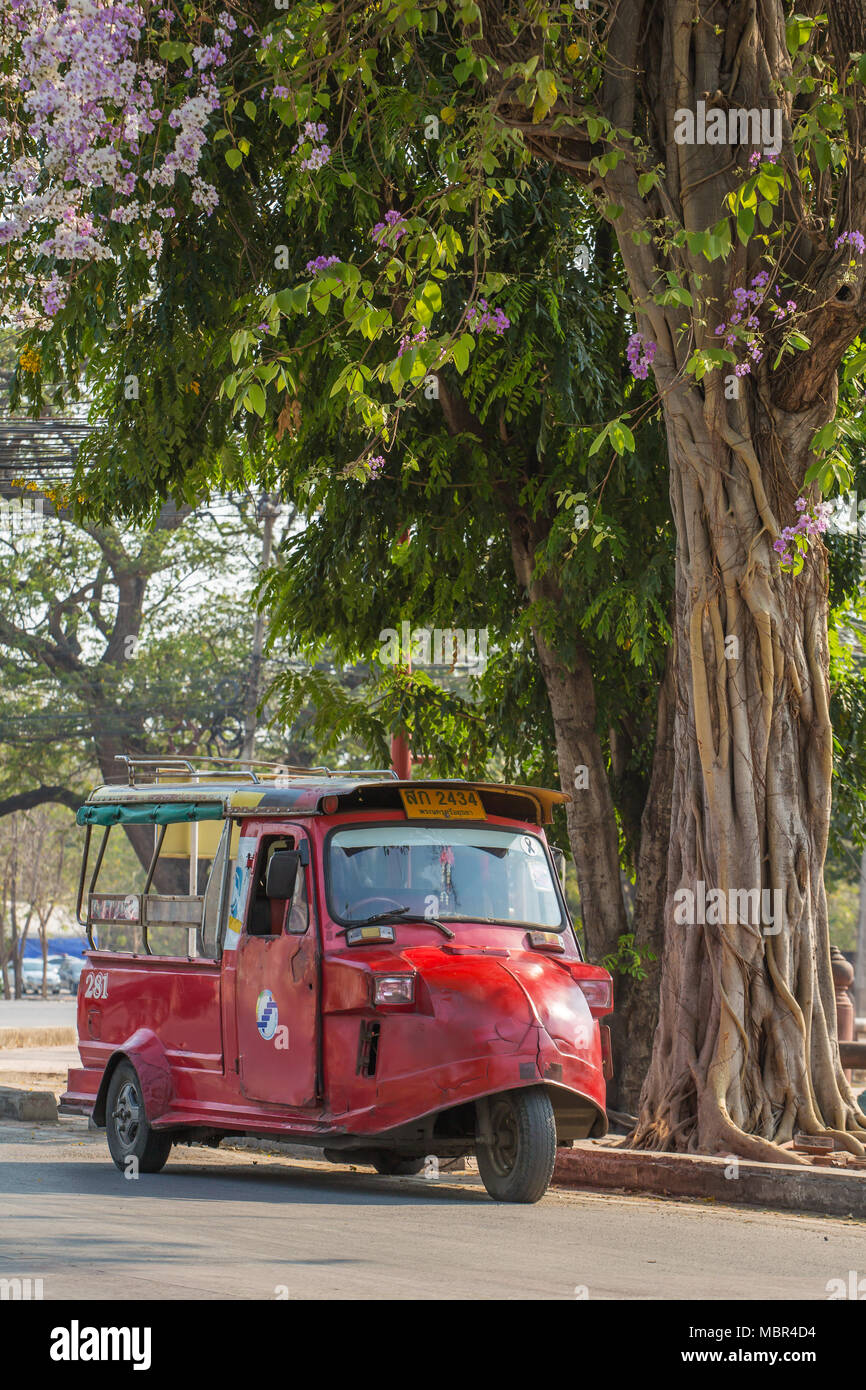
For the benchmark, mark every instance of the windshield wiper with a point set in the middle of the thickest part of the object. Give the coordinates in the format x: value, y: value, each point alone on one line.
x: 401, y: 914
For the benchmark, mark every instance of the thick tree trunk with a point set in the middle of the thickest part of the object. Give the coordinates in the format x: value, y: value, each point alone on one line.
x: 745, y: 1052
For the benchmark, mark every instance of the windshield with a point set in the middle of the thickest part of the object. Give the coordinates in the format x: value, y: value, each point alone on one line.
x: 482, y: 874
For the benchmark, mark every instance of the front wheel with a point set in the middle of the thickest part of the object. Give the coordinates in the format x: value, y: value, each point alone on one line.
x: 130, y: 1137
x: 518, y: 1164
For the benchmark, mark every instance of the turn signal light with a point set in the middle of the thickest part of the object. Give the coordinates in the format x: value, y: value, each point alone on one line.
x: 358, y: 936
x: 546, y: 941
x: 393, y: 989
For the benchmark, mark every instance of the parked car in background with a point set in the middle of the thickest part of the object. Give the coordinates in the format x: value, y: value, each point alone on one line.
x: 70, y: 972
x: 31, y: 976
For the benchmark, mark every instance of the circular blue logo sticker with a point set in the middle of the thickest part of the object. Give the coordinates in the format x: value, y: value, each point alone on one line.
x: 267, y: 1015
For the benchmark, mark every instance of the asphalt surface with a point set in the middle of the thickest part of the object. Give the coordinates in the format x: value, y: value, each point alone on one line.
x: 221, y: 1224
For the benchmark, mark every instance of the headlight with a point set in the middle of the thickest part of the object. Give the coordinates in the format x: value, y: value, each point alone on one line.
x: 393, y: 989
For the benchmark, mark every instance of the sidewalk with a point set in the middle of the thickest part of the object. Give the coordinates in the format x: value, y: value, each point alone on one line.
x: 599, y: 1167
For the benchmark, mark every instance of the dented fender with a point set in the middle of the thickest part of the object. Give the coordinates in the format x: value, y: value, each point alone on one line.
x: 147, y: 1054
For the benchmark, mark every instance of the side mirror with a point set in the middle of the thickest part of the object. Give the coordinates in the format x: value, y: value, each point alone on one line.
x: 282, y: 873
x: 558, y: 857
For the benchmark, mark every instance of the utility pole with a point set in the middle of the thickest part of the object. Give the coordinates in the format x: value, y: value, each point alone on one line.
x: 267, y: 511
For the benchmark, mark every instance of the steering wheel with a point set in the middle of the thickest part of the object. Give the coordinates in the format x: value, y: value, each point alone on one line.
x: 381, y: 904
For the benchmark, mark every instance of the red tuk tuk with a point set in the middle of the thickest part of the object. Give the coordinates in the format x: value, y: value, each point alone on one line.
x: 384, y: 969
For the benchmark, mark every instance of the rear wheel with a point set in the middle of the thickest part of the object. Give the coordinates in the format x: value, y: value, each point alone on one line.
x: 518, y: 1165
x: 130, y: 1137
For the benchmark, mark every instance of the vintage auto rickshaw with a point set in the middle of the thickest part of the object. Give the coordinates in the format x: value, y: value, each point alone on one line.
x: 381, y: 968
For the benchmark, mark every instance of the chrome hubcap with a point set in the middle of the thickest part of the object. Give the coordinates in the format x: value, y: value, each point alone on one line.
x: 126, y: 1114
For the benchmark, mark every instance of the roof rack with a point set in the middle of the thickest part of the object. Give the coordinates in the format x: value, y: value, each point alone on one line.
x: 171, y: 765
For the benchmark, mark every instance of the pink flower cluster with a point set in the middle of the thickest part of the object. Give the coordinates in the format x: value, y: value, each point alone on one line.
x: 640, y: 354
x: 480, y: 316
x: 390, y: 231
x: 314, y: 135
x: 812, y: 521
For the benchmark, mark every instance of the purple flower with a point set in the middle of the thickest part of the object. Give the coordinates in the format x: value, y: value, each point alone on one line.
x: 375, y: 466
x: 406, y: 342
x: 321, y: 263
x: 855, y: 239
x: 480, y: 316
x: 640, y: 354
x: 395, y: 224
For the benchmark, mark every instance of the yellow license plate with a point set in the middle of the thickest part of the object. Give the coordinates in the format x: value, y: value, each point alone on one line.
x: 442, y: 803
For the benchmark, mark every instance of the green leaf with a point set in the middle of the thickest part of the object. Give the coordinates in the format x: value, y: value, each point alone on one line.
x: 599, y: 440
x: 233, y: 158
x: 255, y: 399
x: 855, y: 365
x: 250, y: 109
x: 621, y: 438
x: 171, y: 49
x: 745, y: 224
x: 460, y: 352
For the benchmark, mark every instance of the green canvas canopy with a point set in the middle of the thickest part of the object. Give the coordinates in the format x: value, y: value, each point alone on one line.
x: 150, y: 813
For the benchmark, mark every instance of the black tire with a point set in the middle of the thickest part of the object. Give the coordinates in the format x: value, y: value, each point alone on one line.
x: 129, y: 1134
x: 518, y: 1166
x: 392, y: 1165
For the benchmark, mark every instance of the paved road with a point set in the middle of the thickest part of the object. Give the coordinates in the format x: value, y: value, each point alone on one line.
x: 222, y: 1224
x: 59, y: 1011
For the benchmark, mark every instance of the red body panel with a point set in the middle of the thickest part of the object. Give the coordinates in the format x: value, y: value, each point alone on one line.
x: 489, y: 1014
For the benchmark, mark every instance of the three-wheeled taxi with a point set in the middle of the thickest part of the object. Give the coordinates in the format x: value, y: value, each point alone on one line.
x: 385, y: 969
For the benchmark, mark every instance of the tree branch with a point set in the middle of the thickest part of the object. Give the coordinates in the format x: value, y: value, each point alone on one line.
x: 38, y: 796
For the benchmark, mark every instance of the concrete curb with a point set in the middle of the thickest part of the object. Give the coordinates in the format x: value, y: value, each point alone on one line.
x: 17, y: 1104
x: 782, y: 1186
